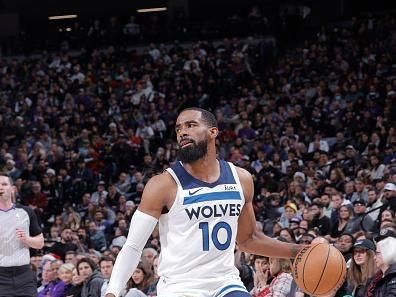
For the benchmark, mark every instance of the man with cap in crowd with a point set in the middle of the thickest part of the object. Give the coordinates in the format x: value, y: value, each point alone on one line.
x: 294, y: 226
x: 361, y: 221
x: 390, y: 195
x: 101, y: 192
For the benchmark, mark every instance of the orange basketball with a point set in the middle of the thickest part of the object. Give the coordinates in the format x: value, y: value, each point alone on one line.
x: 319, y: 269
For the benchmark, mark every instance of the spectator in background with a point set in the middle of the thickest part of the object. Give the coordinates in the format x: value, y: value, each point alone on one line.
x: 373, y: 203
x: 106, y: 267
x: 261, y: 272
x: 65, y: 244
x: 152, y: 286
x: 361, y: 221
x: 337, y: 201
x: 343, y: 224
x: 360, y: 191
x: 93, y: 281
x: 137, y: 285
x: 344, y: 244
x: 383, y: 283
x: 377, y: 169
x: 77, y: 284
x: 390, y: 195
x: 362, y: 266
x: 49, y: 279
x: 281, y: 282
x: 319, y: 220
x: 38, y: 201
x: 101, y: 192
x: 148, y: 256
x: 290, y: 210
x: 97, y: 237
x: 71, y: 257
x: 65, y: 275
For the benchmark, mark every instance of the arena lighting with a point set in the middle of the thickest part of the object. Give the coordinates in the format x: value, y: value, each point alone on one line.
x: 155, y: 9
x: 62, y: 17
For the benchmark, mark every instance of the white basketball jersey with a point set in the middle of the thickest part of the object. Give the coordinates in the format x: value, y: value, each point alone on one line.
x: 198, y: 234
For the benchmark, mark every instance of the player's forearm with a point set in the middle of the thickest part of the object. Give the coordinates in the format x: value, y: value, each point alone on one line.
x: 263, y: 245
x: 142, y: 225
x: 36, y: 242
x: 126, y: 263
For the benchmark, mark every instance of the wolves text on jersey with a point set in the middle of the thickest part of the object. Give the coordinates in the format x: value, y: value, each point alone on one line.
x: 217, y: 210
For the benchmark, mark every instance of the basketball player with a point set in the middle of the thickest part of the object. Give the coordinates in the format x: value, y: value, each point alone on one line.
x: 204, y: 206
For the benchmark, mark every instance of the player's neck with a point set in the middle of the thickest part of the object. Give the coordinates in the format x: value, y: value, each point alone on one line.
x: 206, y: 169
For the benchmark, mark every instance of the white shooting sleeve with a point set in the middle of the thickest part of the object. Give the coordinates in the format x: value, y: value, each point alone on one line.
x: 142, y: 225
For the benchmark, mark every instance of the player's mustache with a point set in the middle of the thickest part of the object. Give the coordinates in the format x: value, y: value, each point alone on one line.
x: 182, y: 140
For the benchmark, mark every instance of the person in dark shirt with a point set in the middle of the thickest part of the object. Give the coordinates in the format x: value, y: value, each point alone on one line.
x: 65, y: 244
x: 319, y: 220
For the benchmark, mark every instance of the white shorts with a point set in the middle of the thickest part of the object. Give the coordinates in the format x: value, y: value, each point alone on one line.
x: 199, y: 288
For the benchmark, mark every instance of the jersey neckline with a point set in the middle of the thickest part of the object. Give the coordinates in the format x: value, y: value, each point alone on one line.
x: 203, y: 183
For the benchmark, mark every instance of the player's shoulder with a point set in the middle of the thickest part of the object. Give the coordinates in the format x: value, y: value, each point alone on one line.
x: 161, y: 184
x: 163, y: 179
x: 243, y: 174
x: 158, y: 192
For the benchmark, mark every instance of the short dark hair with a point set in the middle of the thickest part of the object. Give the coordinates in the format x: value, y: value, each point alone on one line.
x: 106, y: 259
x: 89, y: 261
x: 208, y: 118
x: 318, y: 204
x: 71, y: 252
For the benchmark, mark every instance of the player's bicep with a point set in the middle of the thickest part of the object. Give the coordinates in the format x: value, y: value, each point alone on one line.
x: 156, y: 195
x: 246, y: 223
x: 247, y: 220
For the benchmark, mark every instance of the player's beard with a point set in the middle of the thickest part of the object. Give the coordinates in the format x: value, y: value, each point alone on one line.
x: 193, y: 152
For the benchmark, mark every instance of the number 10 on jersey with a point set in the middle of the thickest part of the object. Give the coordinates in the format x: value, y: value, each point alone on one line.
x: 213, y: 234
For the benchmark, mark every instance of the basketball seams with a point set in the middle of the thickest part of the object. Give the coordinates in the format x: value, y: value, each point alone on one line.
x: 311, y: 269
x: 306, y: 257
x: 323, y: 270
x: 343, y: 268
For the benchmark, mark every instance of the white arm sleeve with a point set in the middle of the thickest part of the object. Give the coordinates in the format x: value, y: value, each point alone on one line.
x: 142, y: 225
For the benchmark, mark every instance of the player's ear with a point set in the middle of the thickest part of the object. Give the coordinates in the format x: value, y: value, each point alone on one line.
x: 14, y: 191
x: 214, y: 132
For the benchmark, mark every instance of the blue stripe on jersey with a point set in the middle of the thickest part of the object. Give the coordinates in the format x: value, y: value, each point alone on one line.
x: 214, y: 196
x: 229, y: 287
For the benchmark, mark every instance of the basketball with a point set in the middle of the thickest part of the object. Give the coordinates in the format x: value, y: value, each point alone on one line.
x: 319, y: 269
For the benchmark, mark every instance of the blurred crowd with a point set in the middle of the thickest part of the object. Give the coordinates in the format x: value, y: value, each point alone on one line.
x: 82, y: 135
